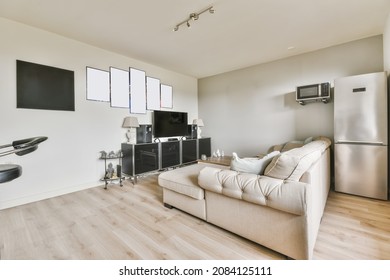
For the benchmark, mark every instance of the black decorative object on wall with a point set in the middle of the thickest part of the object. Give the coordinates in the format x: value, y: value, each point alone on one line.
x: 44, y: 87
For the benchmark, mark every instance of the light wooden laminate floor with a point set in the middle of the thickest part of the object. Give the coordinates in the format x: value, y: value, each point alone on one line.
x: 131, y: 223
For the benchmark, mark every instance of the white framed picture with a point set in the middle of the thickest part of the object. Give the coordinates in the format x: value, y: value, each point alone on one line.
x: 166, y: 96
x: 98, y: 85
x: 119, y: 88
x: 137, y: 91
x: 152, y: 94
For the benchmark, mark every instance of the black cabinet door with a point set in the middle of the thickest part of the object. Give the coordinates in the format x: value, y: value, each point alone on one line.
x: 204, y: 147
x: 146, y: 158
x: 189, y: 151
x: 127, y: 160
x: 139, y: 158
x: 170, y: 154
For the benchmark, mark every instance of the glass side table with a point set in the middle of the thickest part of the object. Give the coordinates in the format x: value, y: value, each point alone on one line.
x: 110, y: 174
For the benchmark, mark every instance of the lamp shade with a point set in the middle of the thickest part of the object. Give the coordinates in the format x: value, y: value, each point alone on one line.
x: 198, y: 122
x: 130, y: 122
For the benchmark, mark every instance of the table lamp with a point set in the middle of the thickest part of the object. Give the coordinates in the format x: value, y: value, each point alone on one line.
x: 199, y: 124
x: 131, y: 123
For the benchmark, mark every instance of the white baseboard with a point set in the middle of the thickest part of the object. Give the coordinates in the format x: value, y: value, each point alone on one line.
x: 46, y: 195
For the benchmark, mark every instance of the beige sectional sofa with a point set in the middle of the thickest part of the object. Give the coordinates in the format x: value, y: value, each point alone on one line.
x: 280, y: 209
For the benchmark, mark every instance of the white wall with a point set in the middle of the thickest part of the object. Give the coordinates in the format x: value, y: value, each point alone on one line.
x: 248, y: 110
x: 68, y: 161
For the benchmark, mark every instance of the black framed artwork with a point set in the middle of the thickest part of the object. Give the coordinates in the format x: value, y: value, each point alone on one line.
x: 44, y: 87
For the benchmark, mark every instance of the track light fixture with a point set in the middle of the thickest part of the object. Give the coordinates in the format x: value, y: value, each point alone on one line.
x: 193, y: 16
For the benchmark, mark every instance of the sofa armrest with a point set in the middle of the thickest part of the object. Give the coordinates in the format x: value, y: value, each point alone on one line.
x: 287, y: 196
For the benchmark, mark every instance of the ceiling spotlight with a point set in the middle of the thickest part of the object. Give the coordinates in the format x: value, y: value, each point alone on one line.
x: 193, y: 16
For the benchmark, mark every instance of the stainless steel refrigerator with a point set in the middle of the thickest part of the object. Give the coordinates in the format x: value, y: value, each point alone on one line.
x: 360, y: 135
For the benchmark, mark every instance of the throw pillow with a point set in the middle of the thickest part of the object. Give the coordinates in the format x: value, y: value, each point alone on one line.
x: 293, y: 163
x: 291, y: 145
x: 251, y: 165
x: 308, y: 140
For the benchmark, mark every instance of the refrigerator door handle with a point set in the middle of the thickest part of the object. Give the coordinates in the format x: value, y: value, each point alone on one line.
x: 359, y: 142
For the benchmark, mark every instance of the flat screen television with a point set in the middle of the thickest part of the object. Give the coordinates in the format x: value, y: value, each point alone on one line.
x: 169, y: 124
x: 44, y: 87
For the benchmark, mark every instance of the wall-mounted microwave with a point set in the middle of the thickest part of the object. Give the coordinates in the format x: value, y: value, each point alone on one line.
x: 314, y: 92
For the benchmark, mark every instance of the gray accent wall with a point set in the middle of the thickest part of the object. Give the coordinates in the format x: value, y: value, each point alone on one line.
x: 248, y: 110
x: 386, y: 45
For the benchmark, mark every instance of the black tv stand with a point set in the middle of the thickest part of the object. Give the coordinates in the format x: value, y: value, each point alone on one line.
x: 151, y: 157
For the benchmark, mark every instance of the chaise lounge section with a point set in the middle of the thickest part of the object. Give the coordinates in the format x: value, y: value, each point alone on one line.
x: 280, y: 209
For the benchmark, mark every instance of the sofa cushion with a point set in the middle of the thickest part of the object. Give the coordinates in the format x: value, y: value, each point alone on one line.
x: 282, y: 195
x: 293, y: 163
x: 183, y: 180
x: 251, y: 165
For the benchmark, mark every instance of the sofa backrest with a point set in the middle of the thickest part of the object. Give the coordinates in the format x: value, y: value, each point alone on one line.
x: 287, y: 196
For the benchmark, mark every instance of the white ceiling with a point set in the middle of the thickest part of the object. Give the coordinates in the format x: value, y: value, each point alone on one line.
x: 239, y: 34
